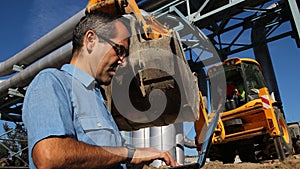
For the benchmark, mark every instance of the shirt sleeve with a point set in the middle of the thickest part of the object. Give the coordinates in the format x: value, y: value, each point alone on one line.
x: 46, y: 109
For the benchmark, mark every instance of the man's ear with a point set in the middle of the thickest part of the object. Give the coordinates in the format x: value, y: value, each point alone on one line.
x: 90, y: 40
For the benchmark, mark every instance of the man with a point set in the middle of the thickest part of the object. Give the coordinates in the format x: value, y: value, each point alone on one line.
x: 68, y: 123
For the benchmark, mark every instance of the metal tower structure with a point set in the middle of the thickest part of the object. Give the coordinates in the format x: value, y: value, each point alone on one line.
x: 234, y: 26
x: 224, y: 22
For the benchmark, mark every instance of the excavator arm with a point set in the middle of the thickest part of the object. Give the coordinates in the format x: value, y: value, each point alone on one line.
x: 152, y: 28
x: 201, y: 124
x: 115, y: 7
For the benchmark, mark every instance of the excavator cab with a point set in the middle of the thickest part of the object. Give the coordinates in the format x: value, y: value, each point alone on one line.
x: 243, y: 81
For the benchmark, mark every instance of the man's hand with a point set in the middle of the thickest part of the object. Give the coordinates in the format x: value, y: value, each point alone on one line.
x: 146, y: 155
x: 67, y: 152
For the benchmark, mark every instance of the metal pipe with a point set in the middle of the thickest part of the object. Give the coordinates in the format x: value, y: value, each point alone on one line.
x: 156, y: 142
x: 163, y: 138
x: 141, y: 138
x: 179, y: 143
x: 49, y: 42
x: 23, y: 78
x: 168, y: 138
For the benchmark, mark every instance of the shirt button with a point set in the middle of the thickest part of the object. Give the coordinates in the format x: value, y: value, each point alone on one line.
x: 99, y: 124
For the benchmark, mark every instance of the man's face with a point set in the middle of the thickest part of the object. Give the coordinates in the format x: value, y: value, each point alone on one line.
x: 112, y: 54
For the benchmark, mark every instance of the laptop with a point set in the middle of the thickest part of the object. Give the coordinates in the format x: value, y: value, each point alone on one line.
x: 205, y: 146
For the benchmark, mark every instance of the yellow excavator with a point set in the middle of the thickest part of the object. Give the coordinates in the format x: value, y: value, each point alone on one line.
x: 252, y: 124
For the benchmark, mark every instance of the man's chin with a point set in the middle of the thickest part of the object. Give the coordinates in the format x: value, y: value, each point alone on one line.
x: 107, y: 81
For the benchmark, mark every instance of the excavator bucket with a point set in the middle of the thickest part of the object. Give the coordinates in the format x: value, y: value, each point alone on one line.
x: 156, y: 87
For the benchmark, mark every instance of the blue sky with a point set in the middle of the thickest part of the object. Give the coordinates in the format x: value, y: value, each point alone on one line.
x: 23, y: 22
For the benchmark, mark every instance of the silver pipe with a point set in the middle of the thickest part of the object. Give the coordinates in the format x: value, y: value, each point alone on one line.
x: 163, y: 138
x: 49, y: 42
x: 156, y: 142
x: 55, y: 59
x: 168, y: 138
x: 179, y: 136
x: 141, y: 138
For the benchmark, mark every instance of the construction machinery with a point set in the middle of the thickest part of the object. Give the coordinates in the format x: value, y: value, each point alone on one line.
x: 252, y: 125
x: 156, y: 63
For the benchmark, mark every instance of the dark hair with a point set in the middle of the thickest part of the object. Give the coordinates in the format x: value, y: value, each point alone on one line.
x: 101, y: 23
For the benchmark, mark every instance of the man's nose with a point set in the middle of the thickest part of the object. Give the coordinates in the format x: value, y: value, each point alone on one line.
x: 122, y: 62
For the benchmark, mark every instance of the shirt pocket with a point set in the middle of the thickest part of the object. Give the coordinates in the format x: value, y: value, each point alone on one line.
x: 99, y: 132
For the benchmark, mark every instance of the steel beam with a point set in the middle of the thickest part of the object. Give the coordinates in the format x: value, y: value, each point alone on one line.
x: 295, y: 20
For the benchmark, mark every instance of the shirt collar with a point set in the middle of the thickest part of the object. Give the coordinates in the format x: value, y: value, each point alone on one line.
x: 79, y: 74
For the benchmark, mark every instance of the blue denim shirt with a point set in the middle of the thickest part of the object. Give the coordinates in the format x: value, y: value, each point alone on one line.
x: 66, y: 103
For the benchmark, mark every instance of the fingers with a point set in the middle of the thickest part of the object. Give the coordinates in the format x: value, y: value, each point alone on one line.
x: 168, y: 159
x: 144, y: 155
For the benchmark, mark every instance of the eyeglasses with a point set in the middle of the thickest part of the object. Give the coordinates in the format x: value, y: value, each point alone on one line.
x: 120, y: 50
